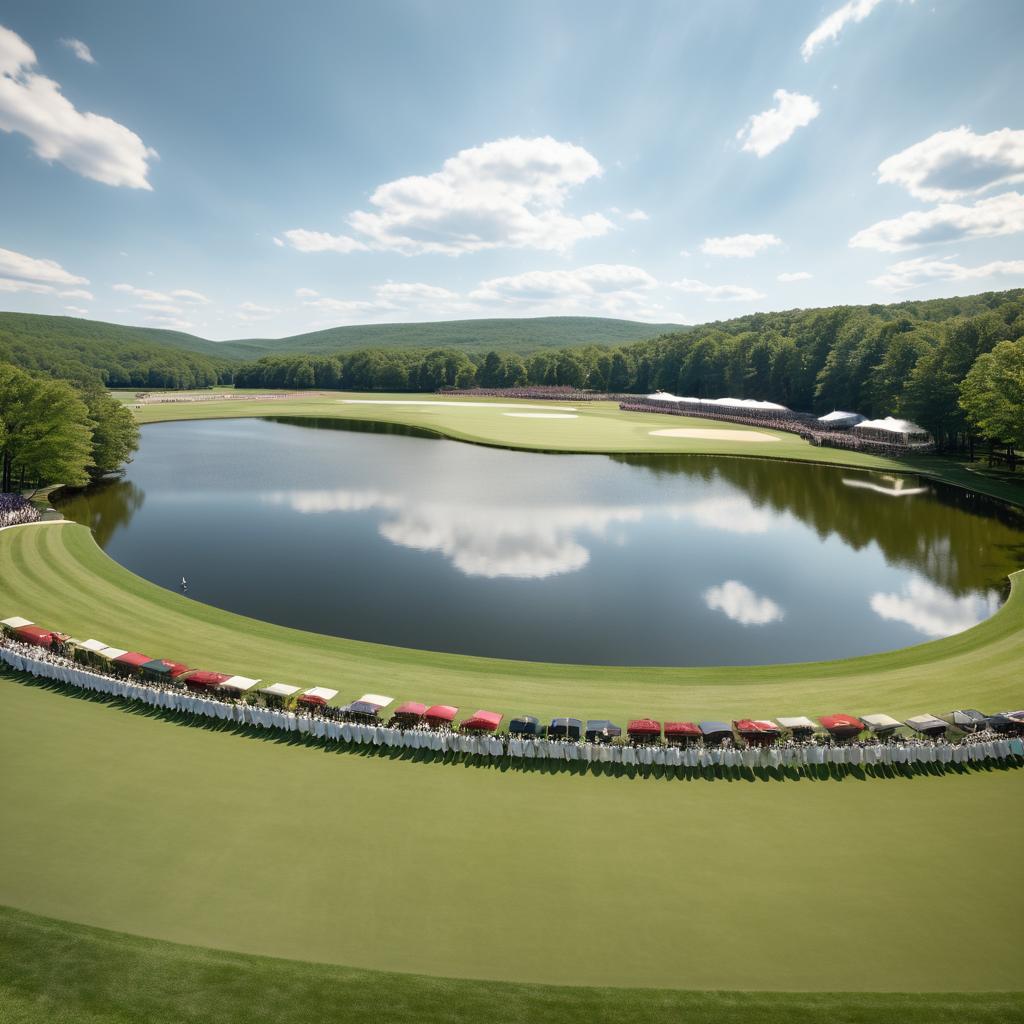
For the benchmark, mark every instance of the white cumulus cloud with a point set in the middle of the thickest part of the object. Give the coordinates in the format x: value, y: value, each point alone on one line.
x: 741, y: 604
x: 320, y: 241
x: 933, y: 612
x: 637, y: 215
x: 17, y: 264
x: 739, y: 246
x: 765, y: 132
x: 718, y: 292
x: 947, y: 222
x: 509, y: 193
x: 829, y: 29
x: 909, y: 274
x: 94, y: 146
x: 788, y: 277
x: 80, y: 50
x: 957, y: 163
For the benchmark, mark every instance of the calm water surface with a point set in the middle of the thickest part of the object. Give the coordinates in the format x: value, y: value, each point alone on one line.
x: 643, y: 560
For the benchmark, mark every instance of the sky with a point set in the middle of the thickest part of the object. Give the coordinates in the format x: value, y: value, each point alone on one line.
x: 240, y: 170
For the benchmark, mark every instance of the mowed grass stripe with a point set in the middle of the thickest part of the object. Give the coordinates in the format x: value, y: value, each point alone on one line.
x: 210, y: 837
x: 57, y: 971
x: 57, y: 576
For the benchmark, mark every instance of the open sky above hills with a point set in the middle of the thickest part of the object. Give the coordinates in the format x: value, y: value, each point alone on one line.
x: 289, y: 170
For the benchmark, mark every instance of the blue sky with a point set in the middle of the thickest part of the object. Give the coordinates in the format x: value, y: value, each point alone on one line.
x: 255, y: 170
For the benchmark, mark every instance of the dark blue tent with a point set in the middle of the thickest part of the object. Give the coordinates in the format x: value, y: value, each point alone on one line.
x: 565, y: 728
x: 1008, y: 722
x: 715, y: 732
x: 600, y: 730
x: 525, y: 725
x: 361, y: 707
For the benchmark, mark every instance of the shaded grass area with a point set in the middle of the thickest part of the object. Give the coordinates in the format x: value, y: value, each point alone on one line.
x: 59, y: 973
x: 140, y: 824
x: 56, y: 575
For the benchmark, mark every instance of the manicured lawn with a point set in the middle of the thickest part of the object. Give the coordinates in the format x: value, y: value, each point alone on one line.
x: 57, y: 576
x: 124, y: 820
x: 59, y: 972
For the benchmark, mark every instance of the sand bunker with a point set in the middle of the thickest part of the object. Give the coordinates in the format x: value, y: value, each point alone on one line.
x: 543, y: 415
x: 714, y: 435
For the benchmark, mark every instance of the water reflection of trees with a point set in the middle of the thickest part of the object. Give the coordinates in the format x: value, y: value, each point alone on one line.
x: 961, y: 540
x: 104, y: 508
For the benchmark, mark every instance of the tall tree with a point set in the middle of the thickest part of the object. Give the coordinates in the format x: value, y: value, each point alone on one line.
x: 45, y: 432
x: 992, y: 394
x: 115, y: 434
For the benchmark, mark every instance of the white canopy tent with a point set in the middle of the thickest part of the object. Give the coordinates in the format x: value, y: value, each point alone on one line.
x: 95, y: 646
x: 796, y: 723
x: 280, y: 690
x: 893, y: 430
x: 320, y: 693
x: 239, y: 683
x: 15, y: 622
x: 110, y: 653
x: 743, y: 404
x: 375, y: 699
x: 881, y: 723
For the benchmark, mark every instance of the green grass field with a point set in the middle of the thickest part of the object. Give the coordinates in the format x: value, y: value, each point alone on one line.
x: 123, y: 820
x: 696, y: 901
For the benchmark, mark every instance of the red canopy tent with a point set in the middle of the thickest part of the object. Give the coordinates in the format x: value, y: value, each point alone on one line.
x: 755, y: 730
x: 206, y: 678
x: 35, y: 635
x: 441, y: 713
x: 132, y: 659
x: 644, y: 728
x: 681, y: 732
x: 842, y: 727
x: 411, y: 709
x: 484, y: 721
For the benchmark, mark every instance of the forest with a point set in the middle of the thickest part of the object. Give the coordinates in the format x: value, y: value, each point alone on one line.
x: 906, y: 360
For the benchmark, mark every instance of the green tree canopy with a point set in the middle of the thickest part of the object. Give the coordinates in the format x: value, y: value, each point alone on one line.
x: 992, y: 394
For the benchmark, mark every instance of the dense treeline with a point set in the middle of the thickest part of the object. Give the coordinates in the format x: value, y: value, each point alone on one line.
x: 52, y: 432
x: 107, y: 354
x: 907, y: 359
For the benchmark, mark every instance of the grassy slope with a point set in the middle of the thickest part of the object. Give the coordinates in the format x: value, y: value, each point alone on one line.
x: 289, y: 849
x: 60, y: 972
x: 56, y: 575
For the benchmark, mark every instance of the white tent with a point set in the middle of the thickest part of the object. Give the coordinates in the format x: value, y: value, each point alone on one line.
x: 748, y: 404
x: 881, y: 723
x: 280, y: 690
x: 375, y: 699
x: 893, y: 430
x: 110, y: 653
x: 321, y: 693
x: 798, y: 722
x: 16, y: 622
x: 841, y: 420
x: 91, y: 645
x: 239, y: 683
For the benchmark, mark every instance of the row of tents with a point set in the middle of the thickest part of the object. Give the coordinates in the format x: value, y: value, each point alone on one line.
x: 410, y: 714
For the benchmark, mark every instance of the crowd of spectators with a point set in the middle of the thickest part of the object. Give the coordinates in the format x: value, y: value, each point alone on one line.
x: 17, y: 511
x: 785, y: 757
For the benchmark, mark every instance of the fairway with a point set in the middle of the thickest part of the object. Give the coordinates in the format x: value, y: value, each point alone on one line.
x: 290, y: 850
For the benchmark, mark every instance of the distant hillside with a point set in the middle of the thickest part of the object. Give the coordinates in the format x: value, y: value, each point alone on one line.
x: 521, y: 335
x: 114, y: 355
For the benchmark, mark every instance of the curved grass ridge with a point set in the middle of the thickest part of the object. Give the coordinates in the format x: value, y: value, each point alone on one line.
x: 74, y: 974
x: 57, y: 575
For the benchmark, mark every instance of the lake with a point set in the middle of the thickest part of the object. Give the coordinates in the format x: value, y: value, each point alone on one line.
x: 377, y: 533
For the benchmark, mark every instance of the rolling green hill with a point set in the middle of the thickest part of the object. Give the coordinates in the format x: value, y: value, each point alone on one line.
x: 519, y: 335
